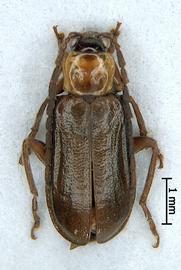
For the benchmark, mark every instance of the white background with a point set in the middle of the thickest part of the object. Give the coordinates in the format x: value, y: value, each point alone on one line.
x: 151, y: 44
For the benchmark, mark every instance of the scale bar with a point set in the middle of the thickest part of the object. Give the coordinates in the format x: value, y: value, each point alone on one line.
x: 166, y: 193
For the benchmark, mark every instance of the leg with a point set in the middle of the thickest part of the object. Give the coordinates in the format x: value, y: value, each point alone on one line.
x: 139, y: 117
x: 121, y: 81
x: 141, y: 143
x: 35, y: 128
x: 118, y: 83
x: 39, y: 149
x: 30, y: 144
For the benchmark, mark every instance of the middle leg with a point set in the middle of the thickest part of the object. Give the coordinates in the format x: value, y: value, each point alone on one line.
x: 141, y: 143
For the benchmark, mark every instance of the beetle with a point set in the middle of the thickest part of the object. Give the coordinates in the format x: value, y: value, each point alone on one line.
x: 90, y: 178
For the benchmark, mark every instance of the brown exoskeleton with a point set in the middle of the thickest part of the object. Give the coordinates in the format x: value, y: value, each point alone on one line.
x: 89, y: 152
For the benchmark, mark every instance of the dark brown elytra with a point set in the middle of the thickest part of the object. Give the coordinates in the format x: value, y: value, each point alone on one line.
x: 90, y: 178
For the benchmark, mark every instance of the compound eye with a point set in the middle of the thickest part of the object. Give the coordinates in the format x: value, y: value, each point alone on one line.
x: 71, y: 44
x: 106, y: 42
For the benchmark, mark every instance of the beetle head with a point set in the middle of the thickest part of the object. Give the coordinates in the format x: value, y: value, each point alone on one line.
x: 88, y: 67
x: 89, y: 43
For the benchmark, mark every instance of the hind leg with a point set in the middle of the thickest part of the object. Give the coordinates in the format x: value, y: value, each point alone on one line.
x: 141, y: 143
x: 31, y: 144
x: 39, y: 149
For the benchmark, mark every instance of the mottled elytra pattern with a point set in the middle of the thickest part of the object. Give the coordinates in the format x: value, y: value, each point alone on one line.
x: 90, y: 142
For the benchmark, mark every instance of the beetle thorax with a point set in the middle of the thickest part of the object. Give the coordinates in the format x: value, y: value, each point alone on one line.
x: 88, y: 73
